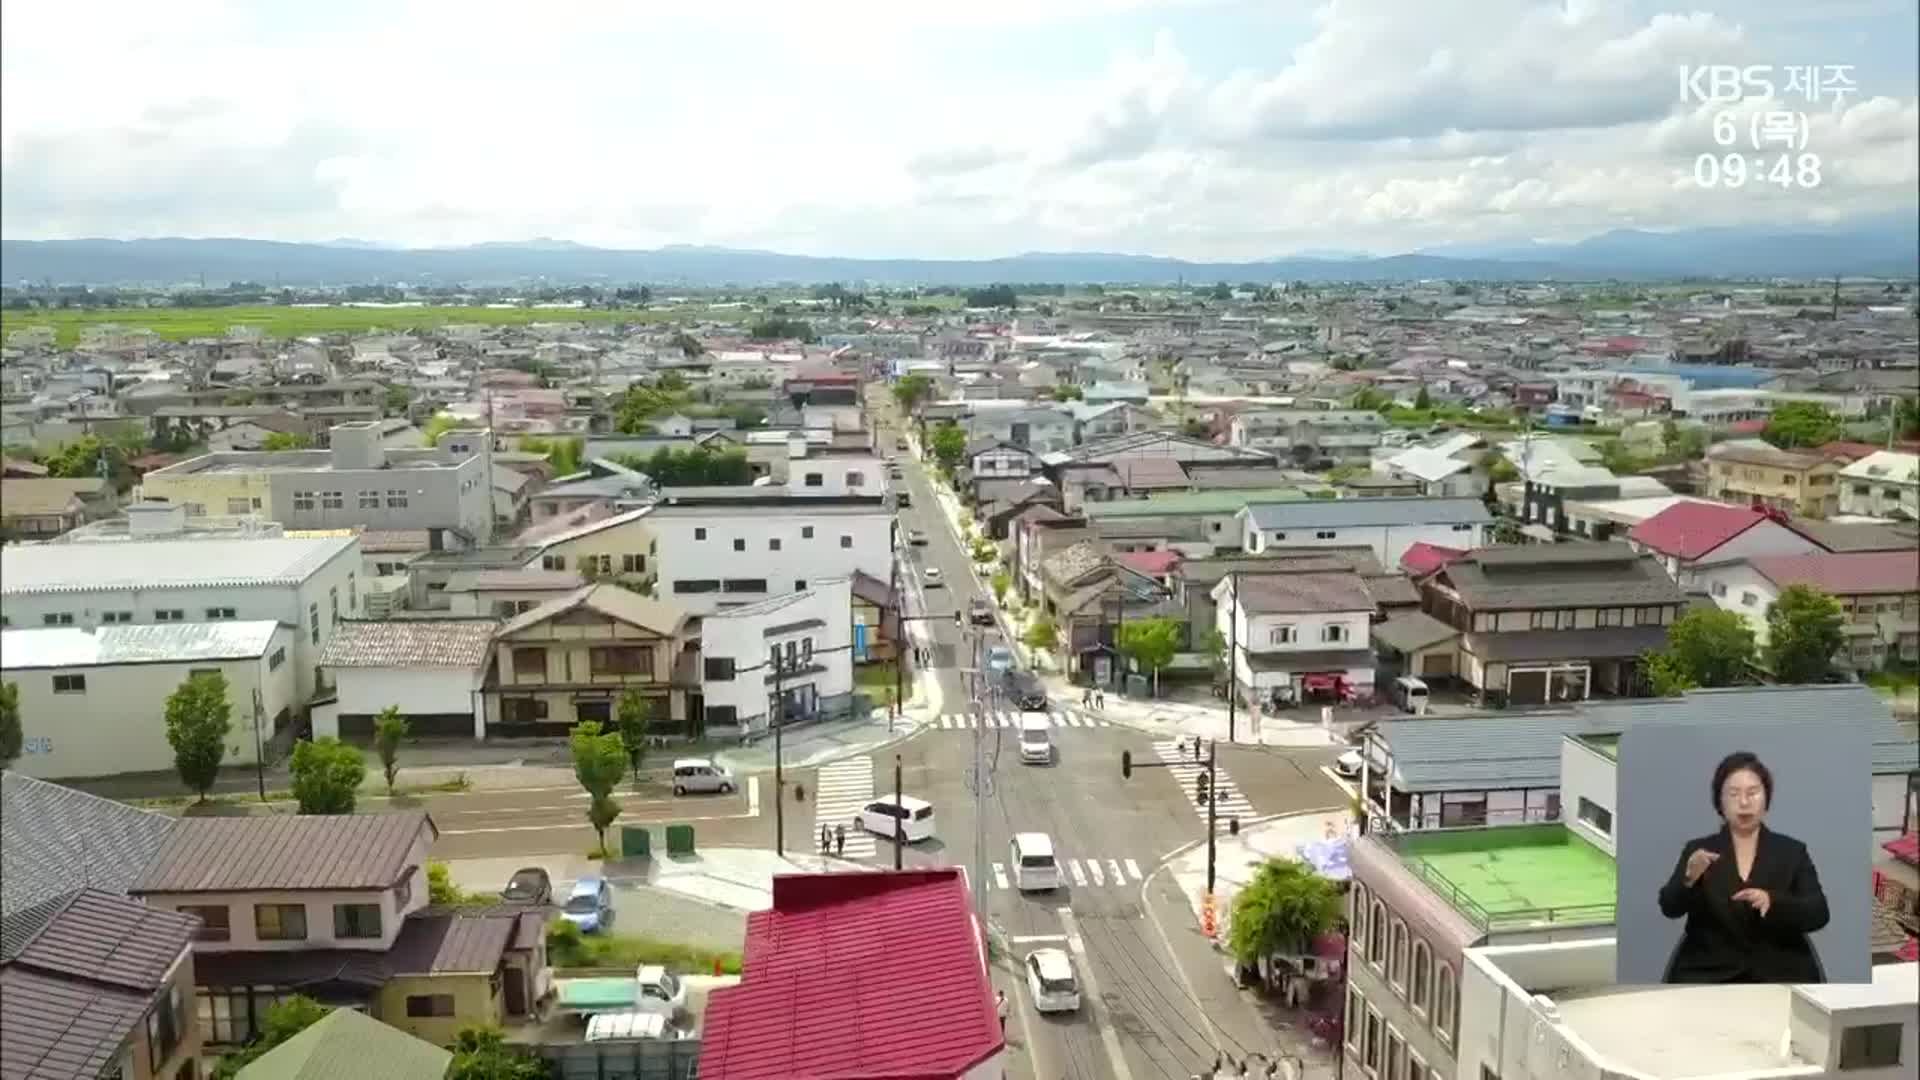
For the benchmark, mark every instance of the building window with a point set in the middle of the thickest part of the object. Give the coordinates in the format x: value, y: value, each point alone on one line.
x: 846, y: 541
x: 164, y: 1026
x: 699, y: 534
x: 279, y: 657
x: 530, y: 663
x: 69, y: 684
x: 353, y: 595
x: 815, y: 479
x: 1646, y: 616
x: 370, y: 500
x: 333, y: 602
x: 420, y: 1005
x: 739, y: 544
x: 799, y: 585
x: 59, y: 618
x: 523, y: 710
x: 1370, y: 1054
x: 219, y: 613
x: 1444, y: 1016
x: 236, y: 507
x: 1352, y: 1022
x: 356, y: 920
x: 332, y: 500
x: 1719, y: 588
x: 313, y: 622
x: 1357, y: 922
x: 633, y: 564
x: 697, y: 585
x: 744, y: 585
x: 303, y: 500
x: 717, y: 668
x: 169, y: 615
x: 111, y: 617
x: 1281, y: 635
x: 396, y: 499
x: 1748, y: 599
x: 1418, y: 977
x: 1870, y: 1046
x: 214, y: 925
x: 280, y: 922
x: 1377, y: 933
x: 1324, y: 535
x: 1397, y: 959
x: 1333, y: 632
x: 806, y: 532
x: 856, y: 479
x: 1596, y: 815
x: 621, y: 660
x: 1396, y: 1055
x: 773, y: 543
x: 553, y: 562
x: 605, y: 561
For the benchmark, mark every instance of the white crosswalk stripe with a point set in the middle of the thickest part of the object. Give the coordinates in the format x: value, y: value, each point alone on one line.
x: 1186, y: 771
x: 967, y: 722
x: 843, y: 789
x: 1080, y: 874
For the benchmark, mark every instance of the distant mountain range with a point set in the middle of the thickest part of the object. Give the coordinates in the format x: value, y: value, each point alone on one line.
x: 1885, y: 247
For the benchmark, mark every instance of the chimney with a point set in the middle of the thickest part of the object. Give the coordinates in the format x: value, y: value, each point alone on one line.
x: 357, y: 445
x: 152, y: 519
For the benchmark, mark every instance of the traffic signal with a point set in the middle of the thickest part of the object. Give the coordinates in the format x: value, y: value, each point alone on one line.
x: 1233, y: 826
x: 959, y: 619
x: 1200, y: 787
x: 1126, y: 764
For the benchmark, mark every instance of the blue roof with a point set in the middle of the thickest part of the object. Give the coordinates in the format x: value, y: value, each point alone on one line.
x: 1709, y: 376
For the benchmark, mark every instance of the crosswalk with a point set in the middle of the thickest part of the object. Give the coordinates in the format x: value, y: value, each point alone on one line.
x: 1178, y: 757
x: 842, y: 790
x: 1078, y: 874
x: 967, y: 721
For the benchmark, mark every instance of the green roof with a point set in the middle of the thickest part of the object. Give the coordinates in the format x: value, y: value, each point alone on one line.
x: 1513, y: 877
x: 1604, y: 744
x: 349, y: 1045
x: 1191, y: 502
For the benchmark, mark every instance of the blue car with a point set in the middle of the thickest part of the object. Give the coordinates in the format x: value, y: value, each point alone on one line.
x: 589, y: 905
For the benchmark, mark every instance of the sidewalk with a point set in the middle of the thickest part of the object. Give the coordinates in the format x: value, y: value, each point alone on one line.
x: 1238, y: 858
x: 1173, y: 719
x: 811, y: 745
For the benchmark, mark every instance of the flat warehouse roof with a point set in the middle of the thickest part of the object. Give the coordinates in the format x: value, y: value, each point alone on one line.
x: 162, y: 564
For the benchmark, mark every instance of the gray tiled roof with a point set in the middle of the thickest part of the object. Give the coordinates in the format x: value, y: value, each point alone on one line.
x: 447, y: 643
x: 1285, y: 594
x: 107, y: 938
x: 1365, y: 513
x: 55, y: 839
x: 1559, y: 576
x: 354, y: 851
x: 60, y: 1028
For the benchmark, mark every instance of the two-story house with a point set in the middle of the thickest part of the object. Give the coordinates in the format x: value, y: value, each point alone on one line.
x: 1388, y: 526
x: 42, y: 508
x: 616, y: 548
x: 1752, y: 472
x: 788, y: 658
x: 1292, y: 634
x: 1310, y: 436
x: 335, y: 907
x: 571, y: 658
x: 1554, y: 622
x: 996, y: 459
x: 93, y: 984
x: 1090, y: 595
x: 1884, y: 484
x: 1690, y: 536
x: 1878, y: 593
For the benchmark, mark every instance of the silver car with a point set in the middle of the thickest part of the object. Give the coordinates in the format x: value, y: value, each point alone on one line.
x: 700, y: 776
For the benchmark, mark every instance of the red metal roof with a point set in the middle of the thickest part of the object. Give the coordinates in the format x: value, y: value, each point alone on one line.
x: 1422, y: 558
x: 1747, y: 427
x: 1847, y: 451
x: 1689, y: 530
x: 857, y: 975
x: 1150, y: 563
x: 1851, y: 573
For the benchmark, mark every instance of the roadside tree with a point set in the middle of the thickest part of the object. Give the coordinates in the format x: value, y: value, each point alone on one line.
x: 634, y: 713
x: 1151, y: 644
x: 599, y: 761
x: 326, y: 775
x: 12, y: 738
x: 389, y: 731
x: 199, y: 717
x: 1803, y: 634
x: 1282, y: 910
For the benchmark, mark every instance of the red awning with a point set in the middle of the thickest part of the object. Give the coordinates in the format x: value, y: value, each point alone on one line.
x: 1906, y: 849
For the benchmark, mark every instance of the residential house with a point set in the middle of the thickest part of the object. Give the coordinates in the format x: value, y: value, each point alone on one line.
x: 1690, y: 535
x: 1883, y: 484
x: 1388, y: 526
x: 1097, y: 421
x: 616, y: 548
x: 349, y: 1045
x: 994, y: 459
x: 432, y: 670
x: 928, y: 1011
x: 784, y: 659
x: 1311, y: 437
x: 602, y: 482
x: 1878, y: 592
x: 39, y: 824
x: 1089, y: 474
x: 506, y: 593
x: 309, y: 584
x: 1752, y: 472
x: 1454, y: 465
x: 357, y: 481
x: 1839, y: 536
x: 1037, y: 532
x: 1196, y: 523
x: 1290, y: 634
x: 43, y: 508
x: 1043, y: 430
x: 998, y: 502
x: 570, y: 659
x: 255, y: 431
x: 1089, y: 595
x: 336, y: 906
x: 93, y: 701
x: 1553, y: 623
x: 93, y: 984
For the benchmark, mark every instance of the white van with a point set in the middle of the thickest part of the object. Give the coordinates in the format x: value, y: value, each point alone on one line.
x: 1410, y: 694
x: 1036, y: 739
x: 909, y: 818
x: 1034, y: 867
x: 700, y: 775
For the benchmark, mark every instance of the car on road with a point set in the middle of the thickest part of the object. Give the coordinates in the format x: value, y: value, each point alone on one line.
x: 901, y: 497
x: 908, y: 818
x: 528, y: 885
x: 1349, y: 764
x: 1034, y: 867
x: 589, y: 905
x: 999, y: 659
x: 700, y: 775
x: 931, y: 577
x: 916, y: 538
x: 979, y: 612
x: 1036, y: 739
x: 1052, y: 981
x: 900, y: 444
x: 1025, y: 690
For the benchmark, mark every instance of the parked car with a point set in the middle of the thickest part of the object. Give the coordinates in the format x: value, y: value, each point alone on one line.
x: 1025, y: 690
x: 528, y: 885
x: 651, y: 989
x: 979, y: 612
x: 909, y: 818
x: 699, y: 775
x: 589, y: 905
x: 1349, y: 764
x: 900, y: 443
x: 1052, y: 982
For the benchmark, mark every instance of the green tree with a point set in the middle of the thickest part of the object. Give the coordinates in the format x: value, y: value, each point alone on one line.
x: 783, y: 328
x: 286, y: 440
x: 1283, y: 909
x: 1799, y: 424
x: 1682, y: 443
x: 634, y: 413
x: 199, y: 716
x: 1151, y: 644
x: 327, y: 774
x: 1068, y: 392
x: 912, y: 391
x: 688, y: 345
x: 483, y: 1054
x: 397, y: 399
x: 1369, y: 399
x: 1221, y: 291
x: 599, y: 761
x: 1000, y: 583
x: 1906, y: 418
x: 389, y: 731
x: 1714, y: 647
x: 437, y: 425
x: 993, y: 296
x: 1423, y: 400
x: 1501, y: 471
x: 1666, y: 674
x: 1043, y: 634
x: 12, y: 738
x: 634, y: 713
x: 1803, y: 634
x: 949, y: 446
x: 283, y: 1020
x: 1214, y: 644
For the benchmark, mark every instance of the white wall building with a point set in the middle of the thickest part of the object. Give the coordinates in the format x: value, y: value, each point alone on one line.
x: 1388, y: 526
x: 719, y: 548
x: 430, y: 669
x: 807, y: 637
x: 1884, y: 484
x: 93, y: 699
x: 1288, y: 626
x: 308, y: 583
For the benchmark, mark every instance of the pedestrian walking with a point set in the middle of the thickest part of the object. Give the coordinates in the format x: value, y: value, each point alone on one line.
x: 826, y: 839
x: 1099, y: 701
x: 839, y: 840
x: 1000, y: 1008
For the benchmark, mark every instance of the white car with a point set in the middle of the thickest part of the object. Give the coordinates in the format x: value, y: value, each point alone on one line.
x: 1052, y: 982
x: 910, y: 819
x: 1349, y: 764
x: 931, y: 575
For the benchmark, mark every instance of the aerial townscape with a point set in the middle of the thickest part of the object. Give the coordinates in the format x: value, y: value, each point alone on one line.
x: 435, y: 659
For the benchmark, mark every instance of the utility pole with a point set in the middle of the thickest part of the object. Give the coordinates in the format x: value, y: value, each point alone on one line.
x: 259, y: 750
x: 979, y: 780
x: 777, y: 715
x: 899, y: 821
x: 1233, y: 655
x: 1213, y: 809
x: 899, y: 632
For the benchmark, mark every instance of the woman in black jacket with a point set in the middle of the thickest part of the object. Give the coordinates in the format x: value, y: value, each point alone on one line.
x: 1750, y: 895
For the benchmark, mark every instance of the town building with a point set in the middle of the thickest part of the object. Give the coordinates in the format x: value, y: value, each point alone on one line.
x: 785, y: 659
x: 571, y: 658
x: 1878, y: 592
x: 1691, y: 535
x: 719, y: 547
x: 1883, y: 484
x: 1748, y: 471
x: 433, y: 670
x: 1388, y: 526
x: 1295, y: 633
x: 41, y: 508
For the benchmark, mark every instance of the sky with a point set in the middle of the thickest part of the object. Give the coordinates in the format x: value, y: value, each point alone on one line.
x: 1200, y: 129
